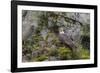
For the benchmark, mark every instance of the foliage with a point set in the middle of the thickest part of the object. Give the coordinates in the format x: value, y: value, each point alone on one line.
x: 64, y: 53
x: 81, y: 53
x: 41, y: 58
x: 85, y: 54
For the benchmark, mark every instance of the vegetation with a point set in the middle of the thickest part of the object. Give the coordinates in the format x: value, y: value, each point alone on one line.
x: 41, y: 58
x: 44, y: 43
x: 85, y: 54
x: 64, y: 53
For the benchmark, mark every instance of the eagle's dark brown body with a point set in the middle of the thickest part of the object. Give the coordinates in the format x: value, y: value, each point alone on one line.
x: 65, y: 39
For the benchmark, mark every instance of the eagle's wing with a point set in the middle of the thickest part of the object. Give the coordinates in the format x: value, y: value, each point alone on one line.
x: 67, y: 40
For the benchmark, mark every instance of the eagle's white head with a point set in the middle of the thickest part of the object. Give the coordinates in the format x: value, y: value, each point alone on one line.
x: 61, y: 30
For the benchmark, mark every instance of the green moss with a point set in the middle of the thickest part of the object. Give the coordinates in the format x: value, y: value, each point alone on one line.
x: 85, y: 54
x: 64, y: 53
x: 41, y: 58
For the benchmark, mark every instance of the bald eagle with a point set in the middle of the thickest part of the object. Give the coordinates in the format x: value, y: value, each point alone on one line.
x: 66, y: 39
